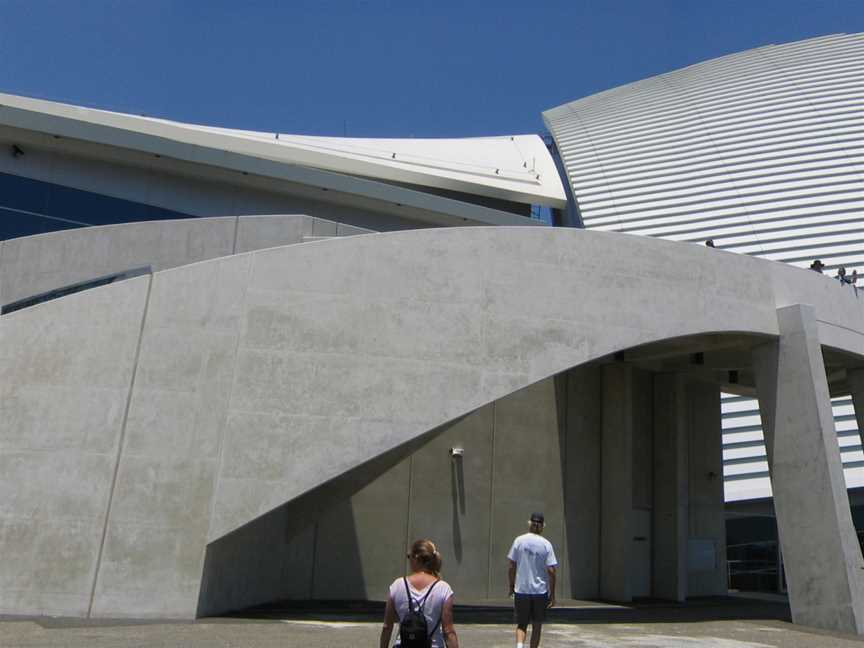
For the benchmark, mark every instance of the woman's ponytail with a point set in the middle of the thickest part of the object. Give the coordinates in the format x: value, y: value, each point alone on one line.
x: 427, y: 556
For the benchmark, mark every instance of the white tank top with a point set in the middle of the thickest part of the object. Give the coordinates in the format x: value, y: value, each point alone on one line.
x: 432, y: 608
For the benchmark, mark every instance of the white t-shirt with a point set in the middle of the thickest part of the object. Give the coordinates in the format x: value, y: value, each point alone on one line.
x: 532, y: 554
x: 432, y: 608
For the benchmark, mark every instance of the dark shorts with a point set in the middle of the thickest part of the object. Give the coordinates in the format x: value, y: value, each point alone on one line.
x: 530, y: 608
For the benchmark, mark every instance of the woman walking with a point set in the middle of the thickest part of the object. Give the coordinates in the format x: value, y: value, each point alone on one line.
x: 421, y: 603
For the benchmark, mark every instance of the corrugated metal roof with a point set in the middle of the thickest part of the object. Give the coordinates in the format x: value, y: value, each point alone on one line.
x: 761, y: 151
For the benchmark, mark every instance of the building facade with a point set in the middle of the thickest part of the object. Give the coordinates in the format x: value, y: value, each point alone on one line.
x: 234, y: 365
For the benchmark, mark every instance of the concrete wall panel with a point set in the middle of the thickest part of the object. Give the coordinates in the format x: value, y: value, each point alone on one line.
x: 361, y: 542
x: 65, y: 374
x: 269, y: 559
x: 163, y: 497
x: 528, y: 475
x: 582, y: 483
x: 707, y: 519
x: 450, y: 501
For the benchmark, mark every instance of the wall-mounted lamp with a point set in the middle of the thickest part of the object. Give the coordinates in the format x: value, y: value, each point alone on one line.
x: 733, y: 377
x: 17, y: 151
x: 457, y: 453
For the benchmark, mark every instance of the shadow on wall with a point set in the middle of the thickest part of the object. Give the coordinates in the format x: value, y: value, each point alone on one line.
x: 457, y: 483
x: 302, y: 550
x: 536, y: 449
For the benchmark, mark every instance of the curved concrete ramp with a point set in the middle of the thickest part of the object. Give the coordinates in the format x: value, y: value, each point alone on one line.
x: 218, y: 391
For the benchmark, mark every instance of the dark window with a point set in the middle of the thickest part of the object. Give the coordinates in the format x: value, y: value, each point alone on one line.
x: 30, y: 207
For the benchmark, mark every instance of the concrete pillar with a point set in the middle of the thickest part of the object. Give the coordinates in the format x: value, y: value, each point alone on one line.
x: 707, y: 511
x: 616, y: 483
x: 670, y: 497
x: 820, y: 549
x: 855, y: 380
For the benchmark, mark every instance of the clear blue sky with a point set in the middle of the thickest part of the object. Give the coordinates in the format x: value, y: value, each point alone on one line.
x: 399, y: 68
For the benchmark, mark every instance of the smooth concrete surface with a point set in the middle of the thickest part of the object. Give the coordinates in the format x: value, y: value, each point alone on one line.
x: 685, y: 630
x: 616, y: 484
x: 820, y: 548
x: 473, y: 507
x: 626, y: 483
x: 34, y: 264
x: 263, y: 377
x: 706, y: 573
x: 65, y: 383
x: 670, y: 487
x: 582, y: 451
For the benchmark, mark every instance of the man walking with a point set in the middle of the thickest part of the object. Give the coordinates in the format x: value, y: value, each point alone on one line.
x: 532, y: 580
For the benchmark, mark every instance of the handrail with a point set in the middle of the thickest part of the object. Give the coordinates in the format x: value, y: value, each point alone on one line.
x: 69, y: 289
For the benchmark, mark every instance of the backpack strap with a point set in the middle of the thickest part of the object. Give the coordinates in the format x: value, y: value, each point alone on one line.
x: 426, y: 595
x: 408, y: 594
x: 423, y: 602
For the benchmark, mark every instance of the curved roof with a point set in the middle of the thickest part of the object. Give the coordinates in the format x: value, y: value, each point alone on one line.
x: 517, y: 168
x: 760, y: 150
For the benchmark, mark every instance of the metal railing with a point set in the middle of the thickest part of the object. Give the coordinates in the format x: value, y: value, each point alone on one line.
x: 70, y: 289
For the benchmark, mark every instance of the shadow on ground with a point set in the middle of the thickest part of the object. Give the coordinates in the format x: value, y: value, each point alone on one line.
x: 576, y: 612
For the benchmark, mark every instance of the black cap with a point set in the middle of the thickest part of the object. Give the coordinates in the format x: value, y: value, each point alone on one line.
x: 537, y: 518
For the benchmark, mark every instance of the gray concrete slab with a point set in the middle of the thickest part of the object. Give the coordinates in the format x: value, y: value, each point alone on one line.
x: 671, y: 503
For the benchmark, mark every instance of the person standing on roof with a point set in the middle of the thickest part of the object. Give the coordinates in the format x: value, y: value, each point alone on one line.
x: 532, y: 580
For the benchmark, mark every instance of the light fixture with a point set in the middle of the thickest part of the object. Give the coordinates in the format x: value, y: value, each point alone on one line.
x: 457, y: 453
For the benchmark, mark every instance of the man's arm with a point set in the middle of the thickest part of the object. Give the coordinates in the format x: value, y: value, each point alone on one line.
x: 389, y: 620
x: 551, y: 572
x: 511, y: 575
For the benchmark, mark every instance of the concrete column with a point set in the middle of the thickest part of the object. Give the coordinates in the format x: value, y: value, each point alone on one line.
x: 820, y: 549
x: 670, y: 519
x: 855, y: 380
x: 707, y: 511
x: 616, y: 483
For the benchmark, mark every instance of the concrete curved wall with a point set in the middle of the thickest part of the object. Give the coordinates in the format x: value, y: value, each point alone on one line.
x: 241, y: 383
x: 34, y: 264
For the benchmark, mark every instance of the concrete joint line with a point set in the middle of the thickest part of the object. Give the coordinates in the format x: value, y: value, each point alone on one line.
x: 491, y: 502
x: 236, y: 231
x: 120, y: 444
x: 2, y: 246
x: 220, y: 448
x: 408, y: 521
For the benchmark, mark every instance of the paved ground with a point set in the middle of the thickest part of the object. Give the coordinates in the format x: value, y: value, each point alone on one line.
x: 351, y: 634
x: 720, y: 623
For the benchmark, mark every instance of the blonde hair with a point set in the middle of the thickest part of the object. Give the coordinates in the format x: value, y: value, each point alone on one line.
x: 427, y: 556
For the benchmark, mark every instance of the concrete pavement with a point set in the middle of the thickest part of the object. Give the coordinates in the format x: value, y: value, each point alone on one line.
x: 311, y: 633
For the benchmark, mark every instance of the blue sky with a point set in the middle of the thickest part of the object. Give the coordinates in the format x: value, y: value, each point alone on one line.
x: 375, y: 68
